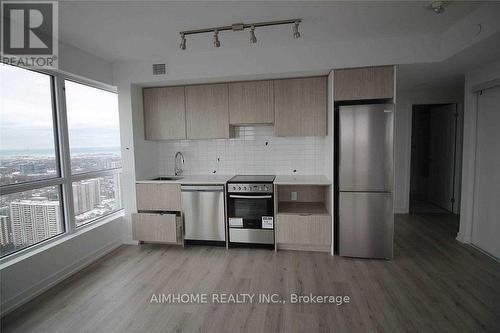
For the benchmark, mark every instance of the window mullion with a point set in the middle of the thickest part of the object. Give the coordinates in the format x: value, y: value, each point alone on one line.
x: 65, y: 157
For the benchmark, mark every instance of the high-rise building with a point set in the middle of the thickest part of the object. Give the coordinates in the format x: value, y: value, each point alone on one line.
x: 86, y: 195
x: 34, y: 220
x: 117, y: 189
x: 4, y: 230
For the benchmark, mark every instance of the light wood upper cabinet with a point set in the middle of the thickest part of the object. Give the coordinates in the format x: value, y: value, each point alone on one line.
x: 164, y: 113
x: 158, y: 197
x: 300, y: 107
x: 251, y: 102
x: 207, y: 115
x: 364, y: 83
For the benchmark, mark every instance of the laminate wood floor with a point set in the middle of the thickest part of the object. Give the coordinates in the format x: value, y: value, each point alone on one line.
x: 434, y: 284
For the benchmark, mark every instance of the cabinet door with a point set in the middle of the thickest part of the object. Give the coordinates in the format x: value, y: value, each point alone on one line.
x: 207, y: 115
x: 251, y: 102
x: 300, y: 107
x: 364, y: 83
x: 164, y: 113
x: 156, y: 228
x: 158, y: 197
x: 306, y: 230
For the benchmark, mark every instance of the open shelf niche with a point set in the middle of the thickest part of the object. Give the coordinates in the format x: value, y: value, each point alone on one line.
x: 310, y: 199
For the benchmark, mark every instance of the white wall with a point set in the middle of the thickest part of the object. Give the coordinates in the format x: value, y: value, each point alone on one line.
x: 484, y: 74
x: 78, y: 62
x: 402, y: 149
x: 29, y: 277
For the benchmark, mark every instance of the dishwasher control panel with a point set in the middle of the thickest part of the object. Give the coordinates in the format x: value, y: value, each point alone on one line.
x: 250, y: 188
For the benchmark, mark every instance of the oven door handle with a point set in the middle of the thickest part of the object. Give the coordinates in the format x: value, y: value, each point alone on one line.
x: 250, y: 196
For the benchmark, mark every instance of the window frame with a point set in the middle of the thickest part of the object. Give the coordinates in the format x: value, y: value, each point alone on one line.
x: 65, y: 178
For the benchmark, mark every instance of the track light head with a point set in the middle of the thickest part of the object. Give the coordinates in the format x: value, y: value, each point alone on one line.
x: 295, y: 29
x: 253, y: 39
x: 182, y: 45
x: 216, y: 38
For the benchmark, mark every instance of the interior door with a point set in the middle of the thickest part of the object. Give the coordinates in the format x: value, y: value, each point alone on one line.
x: 442, y: 155
x: 486, y: 226
x: 366, y: 149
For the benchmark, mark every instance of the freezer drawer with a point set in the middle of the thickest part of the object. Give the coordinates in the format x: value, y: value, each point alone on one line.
x: 366, y: 225
x: 366, y: 148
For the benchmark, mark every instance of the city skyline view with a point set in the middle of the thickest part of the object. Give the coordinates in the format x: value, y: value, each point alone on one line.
x: 29, y: 152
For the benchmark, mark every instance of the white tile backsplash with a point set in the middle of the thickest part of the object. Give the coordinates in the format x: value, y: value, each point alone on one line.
x: 253, y: 150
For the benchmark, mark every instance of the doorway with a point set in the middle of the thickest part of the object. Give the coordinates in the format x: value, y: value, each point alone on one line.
x: 434, y: 178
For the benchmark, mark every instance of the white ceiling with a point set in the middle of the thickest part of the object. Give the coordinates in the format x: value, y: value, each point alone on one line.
x: 449, y: 73
x: 138, y: 30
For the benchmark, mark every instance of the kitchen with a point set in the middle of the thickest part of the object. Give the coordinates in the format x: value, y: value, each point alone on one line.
x: 260, y: 166
x: 251, y: 163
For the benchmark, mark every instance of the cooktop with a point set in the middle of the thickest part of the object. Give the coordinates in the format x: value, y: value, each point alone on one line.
x: 252, y: 179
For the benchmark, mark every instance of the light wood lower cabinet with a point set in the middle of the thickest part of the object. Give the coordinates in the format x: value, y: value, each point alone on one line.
x: 159, y: 228
x: 158, y: 197
x: 304, y: 232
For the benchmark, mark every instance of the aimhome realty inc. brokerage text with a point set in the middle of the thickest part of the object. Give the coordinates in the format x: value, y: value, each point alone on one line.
x: 242, y: 298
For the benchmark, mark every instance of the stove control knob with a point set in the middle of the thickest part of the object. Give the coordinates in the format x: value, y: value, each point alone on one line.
x: 239, y: 188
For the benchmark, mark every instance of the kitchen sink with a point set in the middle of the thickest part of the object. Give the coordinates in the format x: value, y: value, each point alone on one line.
x: 168, y: 178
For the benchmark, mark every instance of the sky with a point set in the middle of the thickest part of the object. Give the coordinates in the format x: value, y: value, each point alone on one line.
x: 26, y: 112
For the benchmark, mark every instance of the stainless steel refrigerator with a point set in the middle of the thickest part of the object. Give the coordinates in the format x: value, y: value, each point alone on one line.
x: 366, y: 218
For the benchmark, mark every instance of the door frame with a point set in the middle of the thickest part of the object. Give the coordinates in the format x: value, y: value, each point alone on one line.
x: 407, y: 135
x: 457, y: 155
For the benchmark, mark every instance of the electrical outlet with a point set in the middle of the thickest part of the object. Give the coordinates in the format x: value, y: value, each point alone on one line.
x: 293, y: 196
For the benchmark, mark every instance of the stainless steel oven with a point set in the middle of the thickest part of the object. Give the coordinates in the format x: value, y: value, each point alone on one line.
x: 250, y: 210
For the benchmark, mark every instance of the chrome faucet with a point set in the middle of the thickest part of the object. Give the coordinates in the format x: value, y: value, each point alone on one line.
x: 179, y: 158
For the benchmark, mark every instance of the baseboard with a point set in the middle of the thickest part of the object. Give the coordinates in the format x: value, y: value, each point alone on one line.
x: 50, y: 281
x: 298, y: 247
x: 462, y: 239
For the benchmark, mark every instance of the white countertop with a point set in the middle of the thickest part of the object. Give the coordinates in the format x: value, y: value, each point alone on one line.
x: 222, y: 179
x: 192, y: 180
x: 302, y: 180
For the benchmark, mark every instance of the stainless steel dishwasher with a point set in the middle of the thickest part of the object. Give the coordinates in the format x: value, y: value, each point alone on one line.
x: 203, y: 207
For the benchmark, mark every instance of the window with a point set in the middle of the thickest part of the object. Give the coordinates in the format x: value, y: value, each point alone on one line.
x: 26, y: 126
x: 43, y: 195
x: 94, y: 134
x: 94, y: 144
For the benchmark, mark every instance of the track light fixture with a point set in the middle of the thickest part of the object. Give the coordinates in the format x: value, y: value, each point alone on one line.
x: 253, y: 39
x: 239, y: 27
x: 216, y: 38
x: 183, y: 42
x: 295, y: 29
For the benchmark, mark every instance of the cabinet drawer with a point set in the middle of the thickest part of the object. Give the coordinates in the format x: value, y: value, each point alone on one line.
x: 163, y: 228
x: 307, y: 230
x: 162, y: 197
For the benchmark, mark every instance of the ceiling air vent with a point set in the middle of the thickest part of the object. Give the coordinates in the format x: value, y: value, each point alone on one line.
x: 159, y: 69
